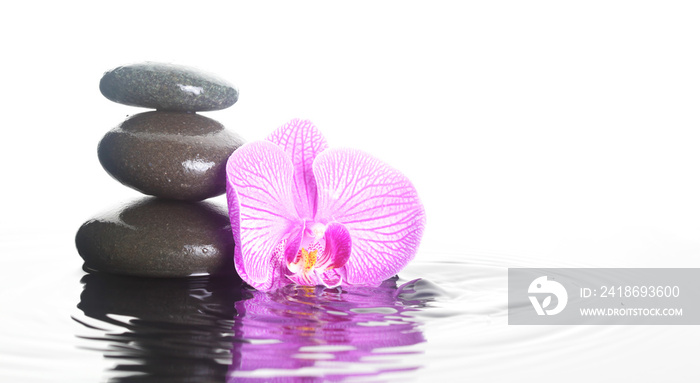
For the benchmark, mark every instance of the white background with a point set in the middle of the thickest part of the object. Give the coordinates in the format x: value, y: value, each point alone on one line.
x: 551, y: 130
x: 562, y: 132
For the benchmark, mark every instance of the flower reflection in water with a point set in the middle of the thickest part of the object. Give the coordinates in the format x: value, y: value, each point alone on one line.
x: 217, y: 330
x: 326, y: 333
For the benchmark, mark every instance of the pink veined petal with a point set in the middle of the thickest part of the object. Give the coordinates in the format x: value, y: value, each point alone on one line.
x: 258, y: 186
x: 302, y: 142
x: 292, y: 250
x: 304, y: 279
x: 377, y: 204
x: 234, y: 217
x: 338, y: 247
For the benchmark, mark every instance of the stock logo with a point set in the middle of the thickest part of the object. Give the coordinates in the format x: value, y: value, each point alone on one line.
x: 543, y: 286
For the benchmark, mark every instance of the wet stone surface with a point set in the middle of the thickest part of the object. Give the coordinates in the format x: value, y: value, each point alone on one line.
x: 153, y: 237
x: 169, y: 154
x: 167, y: 87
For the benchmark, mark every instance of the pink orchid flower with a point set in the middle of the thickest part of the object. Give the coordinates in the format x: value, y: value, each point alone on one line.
x: 302, y: 213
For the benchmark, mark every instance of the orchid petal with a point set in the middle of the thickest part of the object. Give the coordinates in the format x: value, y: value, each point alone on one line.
x: 290, y: 253
x: 304, y: 279
x: 377, y: 204
x: 261, y: 208
x: 338, y: 247
x: 302, y: 142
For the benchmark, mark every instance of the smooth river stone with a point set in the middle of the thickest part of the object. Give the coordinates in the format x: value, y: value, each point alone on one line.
x: 153, y: 237
x: 169, y: 154
x: 167, y: 87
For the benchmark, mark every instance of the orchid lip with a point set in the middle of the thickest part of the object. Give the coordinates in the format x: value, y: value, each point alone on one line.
x: 311, y: 255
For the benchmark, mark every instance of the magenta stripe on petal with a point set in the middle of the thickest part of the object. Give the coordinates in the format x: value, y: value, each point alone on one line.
x: 292, y: 250
x: 261, y: 208
x: 377, y: 204
x: 338, y: 247
x: 302, y: 142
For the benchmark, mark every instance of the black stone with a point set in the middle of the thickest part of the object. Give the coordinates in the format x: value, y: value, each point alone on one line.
x: 169, y: 154
x: 153, y: 237
x: 167, y: 87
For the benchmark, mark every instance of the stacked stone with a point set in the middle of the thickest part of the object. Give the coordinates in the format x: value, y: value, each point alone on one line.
x: 175, y: 155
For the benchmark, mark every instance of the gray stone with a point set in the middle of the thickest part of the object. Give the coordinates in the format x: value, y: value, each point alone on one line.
x: 169, y: 154
x: 167, y: 87
x: 153, y: 237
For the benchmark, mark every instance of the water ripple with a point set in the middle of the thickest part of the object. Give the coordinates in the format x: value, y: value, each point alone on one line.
x: 215, y: 329
x: 437, y: 321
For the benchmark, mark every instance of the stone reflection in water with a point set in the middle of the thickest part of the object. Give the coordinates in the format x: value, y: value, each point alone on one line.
x: 167, y: 329
x: 216, y: 329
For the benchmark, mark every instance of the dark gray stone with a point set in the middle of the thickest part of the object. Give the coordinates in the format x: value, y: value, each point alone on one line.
x: 153, y: 237
x: 167, y: 87
x: 169, y: 154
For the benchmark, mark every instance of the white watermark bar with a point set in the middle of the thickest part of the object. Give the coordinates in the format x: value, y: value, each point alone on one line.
x: 588, y: 296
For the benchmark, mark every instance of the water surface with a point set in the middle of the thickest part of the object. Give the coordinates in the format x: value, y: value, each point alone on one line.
x: 442, y: 320
x: 217, y: 329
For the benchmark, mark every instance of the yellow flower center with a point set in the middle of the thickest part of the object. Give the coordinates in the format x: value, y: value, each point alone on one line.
x: 308, y: 259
